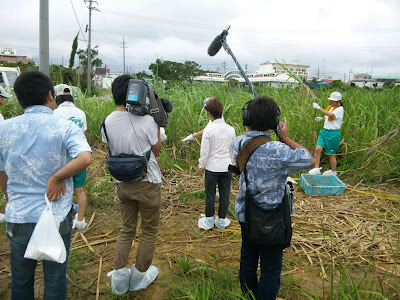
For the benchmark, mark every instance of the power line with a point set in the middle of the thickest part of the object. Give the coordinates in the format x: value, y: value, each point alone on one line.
x: 80, y: 28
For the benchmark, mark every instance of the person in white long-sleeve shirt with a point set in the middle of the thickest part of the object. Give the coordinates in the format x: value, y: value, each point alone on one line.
x: 215, y: 157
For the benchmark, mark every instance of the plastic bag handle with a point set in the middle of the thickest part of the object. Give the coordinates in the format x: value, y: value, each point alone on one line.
x: 48, y: 203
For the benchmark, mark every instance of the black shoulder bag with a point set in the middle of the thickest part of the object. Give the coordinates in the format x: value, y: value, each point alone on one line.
x: 126, y: 167
x: 266, y: 228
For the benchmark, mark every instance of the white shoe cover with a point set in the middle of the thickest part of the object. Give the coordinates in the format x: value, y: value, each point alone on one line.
x: 141, y: 280
x: 206, y: 223
x: 315, y: 171
x: 330, y: 172
x: 2, y: 218
x: 222, y: 223
x: 120, y: 280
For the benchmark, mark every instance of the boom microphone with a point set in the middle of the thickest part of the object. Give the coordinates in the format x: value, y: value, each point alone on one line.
x: 217, y: 42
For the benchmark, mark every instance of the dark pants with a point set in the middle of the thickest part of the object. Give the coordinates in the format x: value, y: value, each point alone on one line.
x: 23, y: 269
x: 223, y: 179
x: 271, y: 266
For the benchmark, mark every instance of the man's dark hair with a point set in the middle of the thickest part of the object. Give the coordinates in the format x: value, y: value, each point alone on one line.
x: 215, y: 107
x: 119, y: 88
x: 262, y: 113
x: 32, y: 88
x: 62, y: 98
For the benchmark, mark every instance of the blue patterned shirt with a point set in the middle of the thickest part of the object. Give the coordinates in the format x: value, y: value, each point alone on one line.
x: 33, y: 147
x: 267, y: 171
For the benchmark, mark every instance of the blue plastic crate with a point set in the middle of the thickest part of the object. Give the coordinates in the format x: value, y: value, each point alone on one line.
x: 321, y: 185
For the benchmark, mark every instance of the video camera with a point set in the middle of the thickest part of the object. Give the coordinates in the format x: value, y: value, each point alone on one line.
x: 142, y: 100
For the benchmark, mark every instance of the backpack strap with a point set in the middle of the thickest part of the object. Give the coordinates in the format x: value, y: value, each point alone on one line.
x: 248, y: 149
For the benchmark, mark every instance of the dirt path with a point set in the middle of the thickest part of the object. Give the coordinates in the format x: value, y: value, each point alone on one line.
x: 360, y: 226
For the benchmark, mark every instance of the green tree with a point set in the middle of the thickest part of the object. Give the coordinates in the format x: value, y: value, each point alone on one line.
x: 83, y: 58
x: 336, y: 84
x: 170, y: 70
x: 23, y: 66
x: 388, y: 84
x: 60, y: 74
x: 73, y: 51
x: 190, y: 70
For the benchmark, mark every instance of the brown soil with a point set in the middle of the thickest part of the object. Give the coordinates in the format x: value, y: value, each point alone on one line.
x: 360, y: 226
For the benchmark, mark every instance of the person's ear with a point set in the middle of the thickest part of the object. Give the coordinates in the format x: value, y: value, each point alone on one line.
x: 50, y: 97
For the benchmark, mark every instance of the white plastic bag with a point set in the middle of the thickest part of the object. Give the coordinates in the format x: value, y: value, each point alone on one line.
x: 46, y: 242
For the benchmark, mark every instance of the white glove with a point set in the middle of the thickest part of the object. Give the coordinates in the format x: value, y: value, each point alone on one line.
x: 2, y: 218
x: 79, y: 225
x: 163, y: 136
x: 316, y: 106
x: 319, y: 119
x: 188, y: 138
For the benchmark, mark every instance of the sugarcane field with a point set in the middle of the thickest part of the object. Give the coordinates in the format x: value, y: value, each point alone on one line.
x: 343, y: 244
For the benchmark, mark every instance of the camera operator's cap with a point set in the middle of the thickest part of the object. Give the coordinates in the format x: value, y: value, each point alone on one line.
x: 62, y: 89
x: 4, y: 93
x: 205, y: 103
x: 335, y: 96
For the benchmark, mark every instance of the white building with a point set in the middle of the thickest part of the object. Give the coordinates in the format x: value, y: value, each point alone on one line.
x: 11, y: 55
x: 272, y: 74
x: 373, y: 81
x: 273, y: 69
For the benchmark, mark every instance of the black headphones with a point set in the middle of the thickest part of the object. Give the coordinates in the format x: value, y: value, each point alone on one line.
x: 246, y: 115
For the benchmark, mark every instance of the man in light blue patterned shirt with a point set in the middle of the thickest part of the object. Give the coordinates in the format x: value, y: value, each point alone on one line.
x: 34, y: 160
x: 267, y: 171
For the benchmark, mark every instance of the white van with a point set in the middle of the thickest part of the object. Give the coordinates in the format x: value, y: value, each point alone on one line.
x: 8, y: 76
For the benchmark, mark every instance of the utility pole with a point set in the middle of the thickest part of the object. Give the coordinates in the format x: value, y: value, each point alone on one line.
x: 344, y: 77
x: 350, y: 71
x: 89, y: 67
x: 44, y: 37
x: 123, y: 51
x: 224, y: 66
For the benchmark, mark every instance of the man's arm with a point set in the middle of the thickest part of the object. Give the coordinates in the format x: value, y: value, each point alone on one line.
x: 157, y: 147
x: 3, y: 182
x: 284, y: 135
x: 56, y: 186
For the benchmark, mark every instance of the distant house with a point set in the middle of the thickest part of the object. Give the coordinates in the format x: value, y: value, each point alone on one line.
x: 103, y: 78
x: 10, y: 55
x: 318, y: 82
x: 373, y: 81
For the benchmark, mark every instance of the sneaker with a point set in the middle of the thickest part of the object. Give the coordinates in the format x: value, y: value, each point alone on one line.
x: 120, y: 280
x: 222, y: 223
x: 315, y: 171
x: 206, y: 223
x: 141, y: 280
x: 330, y: 172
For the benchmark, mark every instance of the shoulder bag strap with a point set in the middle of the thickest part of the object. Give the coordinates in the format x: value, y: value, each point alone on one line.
x: 248, y: 149
x: 103, y: 125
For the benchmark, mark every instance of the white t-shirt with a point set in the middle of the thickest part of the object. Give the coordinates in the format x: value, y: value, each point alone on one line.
x: 133, y: 134
x: 337, y: 123
x: 216, y: 146
x: 1, y: 117
x: 68, y: 111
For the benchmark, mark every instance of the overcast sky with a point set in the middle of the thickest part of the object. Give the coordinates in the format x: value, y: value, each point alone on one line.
x: 332, y: 37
